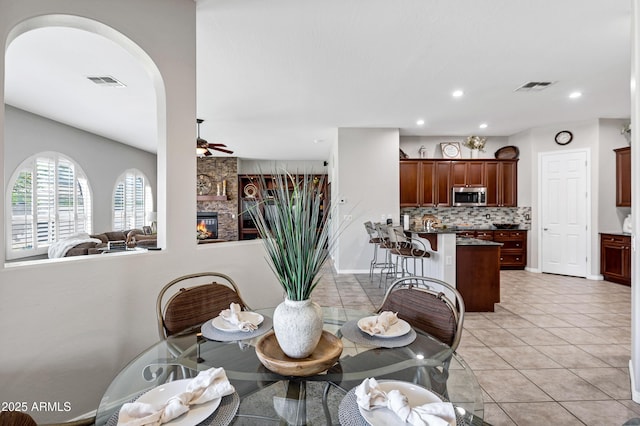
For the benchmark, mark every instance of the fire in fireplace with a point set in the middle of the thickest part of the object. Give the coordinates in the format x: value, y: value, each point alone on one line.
x: 207, y: 225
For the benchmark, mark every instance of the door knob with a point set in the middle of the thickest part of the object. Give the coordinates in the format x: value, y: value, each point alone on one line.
x: 545, y: 229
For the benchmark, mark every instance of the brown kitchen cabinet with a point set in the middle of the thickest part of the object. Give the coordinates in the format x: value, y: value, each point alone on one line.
x: 513, y: 254
x: 501, y: 178
x: 478, y: 276
x: 424, y: 183
x: 428, y: 183
x: 623, y: 177
x: 469, y: 173
x: 615, y: 258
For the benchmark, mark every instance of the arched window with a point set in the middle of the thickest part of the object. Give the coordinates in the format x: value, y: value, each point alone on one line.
x: 132, y: 201
x: 50, y: 201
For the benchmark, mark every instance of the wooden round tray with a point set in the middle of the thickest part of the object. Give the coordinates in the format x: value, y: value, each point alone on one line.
x: 324, y: 356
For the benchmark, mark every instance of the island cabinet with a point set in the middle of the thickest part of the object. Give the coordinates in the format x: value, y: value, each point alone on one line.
x: 623, y: 177
x: 615, y: 258
x: 501, y: 179
x: 468, y: 173
x: 478, y: 276
x: 424, y: 183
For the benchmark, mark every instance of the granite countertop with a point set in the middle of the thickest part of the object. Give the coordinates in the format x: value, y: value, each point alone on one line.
x: 454, y: 229
x: 464, y: 241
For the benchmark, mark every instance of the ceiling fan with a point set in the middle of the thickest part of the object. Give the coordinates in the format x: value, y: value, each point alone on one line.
x: 203, y: 147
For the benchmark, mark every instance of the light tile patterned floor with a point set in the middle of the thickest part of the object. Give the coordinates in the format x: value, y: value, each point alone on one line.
x: 555, y: 351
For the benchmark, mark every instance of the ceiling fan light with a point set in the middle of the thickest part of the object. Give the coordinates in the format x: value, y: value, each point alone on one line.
x: 201, y: 151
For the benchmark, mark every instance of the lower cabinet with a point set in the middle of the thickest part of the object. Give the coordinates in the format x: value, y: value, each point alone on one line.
x: 615, y: 258
x: 478, y: 276
x: 513, y: 254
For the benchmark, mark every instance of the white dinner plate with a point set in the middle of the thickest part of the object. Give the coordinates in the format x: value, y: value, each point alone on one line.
x: 196, y: 414
x: 400, y: 328
x: 417, y: 395
x: 224, y: 325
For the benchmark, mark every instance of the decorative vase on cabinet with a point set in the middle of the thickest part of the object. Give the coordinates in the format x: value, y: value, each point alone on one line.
x: 474, y: 153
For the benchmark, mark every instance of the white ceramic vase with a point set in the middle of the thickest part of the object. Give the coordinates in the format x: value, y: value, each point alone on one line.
x: 474, y: 153
x: 298, y: 326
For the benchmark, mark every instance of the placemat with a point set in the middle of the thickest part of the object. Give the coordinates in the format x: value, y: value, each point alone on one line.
x: 349, y: 413
x: 223, y: 415
x: 212, y: 333
x: 351, y: 331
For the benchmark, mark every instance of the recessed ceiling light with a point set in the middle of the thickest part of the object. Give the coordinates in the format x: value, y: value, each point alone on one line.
x: 420, y: 122
x: 457, y: 93
x: 483, y: 126
x: 575, y: 95
x: 318, y: 140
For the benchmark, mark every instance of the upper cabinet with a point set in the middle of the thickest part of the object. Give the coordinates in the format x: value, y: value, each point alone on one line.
x: 502, y: 183
x: 424, y: 183
x: 428, y: 183
x: 468, y: 173
x: 623, y: 177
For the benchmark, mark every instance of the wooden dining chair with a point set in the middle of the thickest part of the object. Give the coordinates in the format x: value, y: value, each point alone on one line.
x: 189, y: 307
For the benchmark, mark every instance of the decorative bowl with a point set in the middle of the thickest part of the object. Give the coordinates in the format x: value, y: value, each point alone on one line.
x: 324, y: 356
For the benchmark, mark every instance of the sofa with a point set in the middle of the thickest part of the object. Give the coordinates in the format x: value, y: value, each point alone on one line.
x: 131, y: 238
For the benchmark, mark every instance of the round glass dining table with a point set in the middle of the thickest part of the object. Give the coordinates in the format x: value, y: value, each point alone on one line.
x: 266, y: 397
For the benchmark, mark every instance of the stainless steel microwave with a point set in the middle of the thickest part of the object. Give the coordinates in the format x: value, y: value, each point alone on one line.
x: 469, y: 197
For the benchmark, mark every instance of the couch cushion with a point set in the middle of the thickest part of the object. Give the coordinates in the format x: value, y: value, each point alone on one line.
x: 116, y: 236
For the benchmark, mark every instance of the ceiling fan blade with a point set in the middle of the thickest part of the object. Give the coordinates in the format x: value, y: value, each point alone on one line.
x: 207, y: 153
x: 222, y: 149
x: 213, y: 145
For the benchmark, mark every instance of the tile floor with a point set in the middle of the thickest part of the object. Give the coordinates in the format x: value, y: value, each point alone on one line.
x: 555, y: 351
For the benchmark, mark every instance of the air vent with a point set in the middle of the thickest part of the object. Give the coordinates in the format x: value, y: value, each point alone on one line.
x: 534, y: 86
x: 106, y: 81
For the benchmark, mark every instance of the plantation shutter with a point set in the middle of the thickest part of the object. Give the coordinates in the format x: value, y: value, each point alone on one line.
x: 22, y: 212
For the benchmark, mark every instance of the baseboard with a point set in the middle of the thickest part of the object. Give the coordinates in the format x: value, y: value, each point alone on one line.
x: 534, y: 270
x: 635, y: 395
x: 596, y: 277
x: 353, y: 271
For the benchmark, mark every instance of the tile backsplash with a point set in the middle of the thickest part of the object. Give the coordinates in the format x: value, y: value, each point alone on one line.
x: 471, y: 216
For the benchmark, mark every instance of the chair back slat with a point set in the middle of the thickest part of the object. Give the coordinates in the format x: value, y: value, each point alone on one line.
x: 193, y: 306
x: 425, y: 311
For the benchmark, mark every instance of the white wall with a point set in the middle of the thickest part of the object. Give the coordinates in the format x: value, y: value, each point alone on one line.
x: 68, y: 327
x: 103, y: 160
x: 368, y: 180
x: 598, y: 137
x: 411, y: 145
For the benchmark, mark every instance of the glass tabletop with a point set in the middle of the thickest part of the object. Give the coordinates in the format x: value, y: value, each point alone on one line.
x: 268, y: 397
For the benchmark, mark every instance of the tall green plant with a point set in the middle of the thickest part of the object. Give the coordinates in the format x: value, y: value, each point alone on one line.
x: 295, y: 231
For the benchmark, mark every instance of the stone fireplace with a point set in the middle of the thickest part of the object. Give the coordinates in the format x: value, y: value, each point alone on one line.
x: 207, y: 225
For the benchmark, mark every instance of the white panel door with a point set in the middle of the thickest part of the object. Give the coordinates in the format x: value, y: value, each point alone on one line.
x: 564, y: 213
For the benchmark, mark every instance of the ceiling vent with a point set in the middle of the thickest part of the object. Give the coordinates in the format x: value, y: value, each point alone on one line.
x: 534, y: 86
x: 106, y: 81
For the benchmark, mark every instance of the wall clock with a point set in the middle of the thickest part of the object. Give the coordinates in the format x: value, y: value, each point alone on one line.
x: 450, y: 149
x: 564, y: 137
x: 204, y: 184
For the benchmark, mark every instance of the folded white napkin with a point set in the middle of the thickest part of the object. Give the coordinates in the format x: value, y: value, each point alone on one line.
x: 381, y: 323
x: 370, y: 397
x: 231, y: 315
x: 208, y: 385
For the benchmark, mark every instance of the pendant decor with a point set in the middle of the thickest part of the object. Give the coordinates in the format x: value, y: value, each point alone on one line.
x: 298, y: 327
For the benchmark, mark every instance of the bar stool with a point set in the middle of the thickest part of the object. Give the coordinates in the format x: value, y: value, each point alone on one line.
x: 385, y: 243
x: 375, y: 240
x: 405, y: 248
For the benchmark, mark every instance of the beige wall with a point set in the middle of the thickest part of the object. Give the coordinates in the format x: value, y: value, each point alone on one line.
x: 68, y: 327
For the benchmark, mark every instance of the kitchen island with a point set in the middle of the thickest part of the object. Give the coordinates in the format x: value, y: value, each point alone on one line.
x: 469, y: 264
